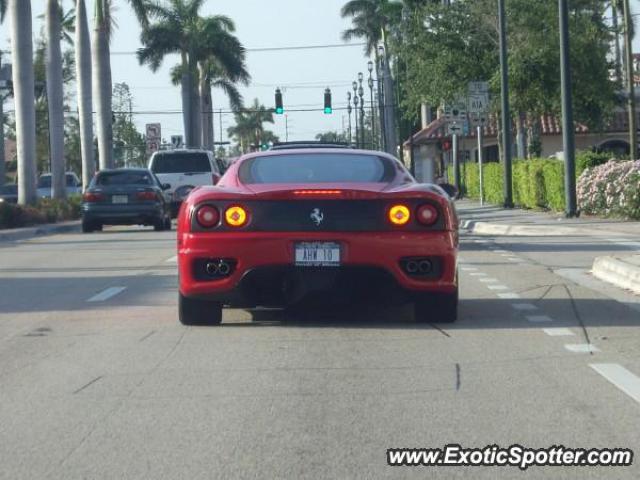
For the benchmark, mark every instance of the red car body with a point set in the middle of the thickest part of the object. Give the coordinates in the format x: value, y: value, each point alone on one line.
x: 257, y: 263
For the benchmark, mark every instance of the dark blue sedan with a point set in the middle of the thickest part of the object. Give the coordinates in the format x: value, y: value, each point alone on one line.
x: 126, y: 196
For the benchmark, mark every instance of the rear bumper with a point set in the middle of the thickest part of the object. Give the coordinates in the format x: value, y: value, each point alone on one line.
x: 123, y: 214
x: 264, y: 272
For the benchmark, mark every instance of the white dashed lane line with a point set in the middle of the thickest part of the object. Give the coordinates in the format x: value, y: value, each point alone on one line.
x: 582, y: 348
x: 488, y: 280
x: 498, y: 287
x: 508, y: 296
x: 558, y: 332
x: 539, y: 319
x: 172, y: 260
x: 478, y: 274
x: 107, y: 294
x: 620, y: 377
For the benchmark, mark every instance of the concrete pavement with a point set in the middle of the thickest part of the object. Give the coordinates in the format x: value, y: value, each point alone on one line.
x: 98, y: 379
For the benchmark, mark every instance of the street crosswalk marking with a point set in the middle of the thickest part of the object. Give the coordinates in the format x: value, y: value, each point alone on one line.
x: 620, y: 377
x: 582, y: 348
x: 107, y: 294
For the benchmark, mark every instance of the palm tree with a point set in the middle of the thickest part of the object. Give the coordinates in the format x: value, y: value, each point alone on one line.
x: 23, y: 92
x: 179, y: 29
x: 3, y: 11
x: 85, y: 102
x: 55, y: 98
x: 103, y: 26
x: 371, y: 20
x: 249, y: 128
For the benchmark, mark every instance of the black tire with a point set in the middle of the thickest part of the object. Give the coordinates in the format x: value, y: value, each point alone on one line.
x: 167, y: 223
x: 159, y: 224
x: 199, y: 312
x: 87, y: 227
x: 437, y: 308
x: 97, y: 227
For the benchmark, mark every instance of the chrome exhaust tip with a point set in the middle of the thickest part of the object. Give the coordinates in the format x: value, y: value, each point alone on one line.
x: 411, y: 267
x: 224, y: 268
x: 212, y: 269
x: 425, y: 266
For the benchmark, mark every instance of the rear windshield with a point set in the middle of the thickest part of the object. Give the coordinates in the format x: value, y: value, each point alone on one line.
x: 316, y: 168
x: 106, y: 179
x: 181, y: 163
x: 45, y: 181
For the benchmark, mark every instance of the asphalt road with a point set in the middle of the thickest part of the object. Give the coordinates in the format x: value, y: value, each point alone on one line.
x: 98, y: 380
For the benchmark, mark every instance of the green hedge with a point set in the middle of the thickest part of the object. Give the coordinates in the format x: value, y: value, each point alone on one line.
x: 45, y: 211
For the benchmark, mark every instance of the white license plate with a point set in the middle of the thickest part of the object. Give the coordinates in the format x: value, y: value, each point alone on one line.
x: 120, y: 199
x: 317, y: 254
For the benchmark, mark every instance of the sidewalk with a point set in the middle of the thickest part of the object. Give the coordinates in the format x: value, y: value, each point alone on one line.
x: 14, y: 234
x: 620, y: 270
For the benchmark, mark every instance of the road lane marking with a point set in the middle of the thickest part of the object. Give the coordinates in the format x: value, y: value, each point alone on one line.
x: 478, y: 274
x: 498, y: 287
x: 558, y: 332
x: 539, y: 318
x: 469, y: 269
x: 172, y: 260
x: 620, y: 377
x: 524, y: 306
x: 582, y: 348
x: 488, y: 280
x: 508, y: 296
x: 107, y: 294
x: 502, y: 252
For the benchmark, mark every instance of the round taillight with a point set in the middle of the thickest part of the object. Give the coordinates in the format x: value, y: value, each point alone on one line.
x: 399, y: 215
x: 236, y: 216
x: 427, y: 214
x: 208, y: 216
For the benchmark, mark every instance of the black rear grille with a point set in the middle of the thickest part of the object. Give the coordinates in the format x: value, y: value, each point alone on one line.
x: 322, y: 216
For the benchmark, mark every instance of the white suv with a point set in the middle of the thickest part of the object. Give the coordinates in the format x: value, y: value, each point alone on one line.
x: 184, y: 170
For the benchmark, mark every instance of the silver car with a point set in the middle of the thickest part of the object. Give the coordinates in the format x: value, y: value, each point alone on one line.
x: 74, y: 186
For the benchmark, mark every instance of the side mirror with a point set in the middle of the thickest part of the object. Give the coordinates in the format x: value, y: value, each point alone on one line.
x: 166, y: 186
x: 451, y: 190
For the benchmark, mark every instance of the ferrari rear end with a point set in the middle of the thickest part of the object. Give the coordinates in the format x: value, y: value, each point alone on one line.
x: 310, y: 236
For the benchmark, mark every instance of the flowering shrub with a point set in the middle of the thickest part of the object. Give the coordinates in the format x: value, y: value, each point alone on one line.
x: 612, y: 189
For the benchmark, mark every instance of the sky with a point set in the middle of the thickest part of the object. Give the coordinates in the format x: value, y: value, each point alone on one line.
x: 302, y: 74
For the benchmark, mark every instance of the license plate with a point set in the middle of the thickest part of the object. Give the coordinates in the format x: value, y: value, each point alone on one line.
x: 317, y: 254
x: 120, y: 199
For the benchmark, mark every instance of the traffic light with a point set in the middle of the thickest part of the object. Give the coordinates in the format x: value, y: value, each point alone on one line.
x: 328, y: 110
x: 279, y: 106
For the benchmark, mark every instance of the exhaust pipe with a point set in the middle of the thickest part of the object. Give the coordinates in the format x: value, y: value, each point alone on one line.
x: 411, y: 267
x: 425, y: 267
x: 212, y: 269
x: 223, y: 268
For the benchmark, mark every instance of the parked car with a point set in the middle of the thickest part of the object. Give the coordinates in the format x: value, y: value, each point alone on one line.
x: 184, y: 170
x: 324, y: 224
x: 9, y: 193
x: 73, y: 184
x: 126, y: 196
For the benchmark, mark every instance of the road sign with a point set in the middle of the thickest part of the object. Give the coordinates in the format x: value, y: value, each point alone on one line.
x: 154, y: 137
x: 479, y: 119
x: 177, y: 141
x: 478, y: 97
x: 454, y: 128
x: 478, y: 88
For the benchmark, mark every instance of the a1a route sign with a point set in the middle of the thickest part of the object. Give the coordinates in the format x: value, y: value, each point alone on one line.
x: 478, y: 97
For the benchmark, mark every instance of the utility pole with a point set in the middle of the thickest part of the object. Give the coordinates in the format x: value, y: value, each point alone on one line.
x: 506, y: 115
x: 391, y: 143
x: 286, y: 127
x: 568, y: 129
x: 2, y: 159
x: 631, y: 102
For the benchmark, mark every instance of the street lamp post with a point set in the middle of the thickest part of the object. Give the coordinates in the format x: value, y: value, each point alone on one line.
x: 373, y: 115
x: 506, y: 115
x: 349, y: 109
x: 568, y: 129
x: 361, y: 95
x: 391, y: 139
x: 355, y: 103
x: 631, y: 100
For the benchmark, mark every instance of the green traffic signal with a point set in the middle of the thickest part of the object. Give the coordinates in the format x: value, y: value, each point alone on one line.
x: 328, y: 109
x: 279, y: 104
x: 279, y: 110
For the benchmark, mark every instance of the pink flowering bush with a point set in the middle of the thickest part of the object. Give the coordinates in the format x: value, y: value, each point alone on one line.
x: 612, y: 189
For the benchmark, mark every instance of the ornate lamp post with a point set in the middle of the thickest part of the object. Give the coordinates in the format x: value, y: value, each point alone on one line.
x: 362, y: 129
x: 355, y: 103
x: 349, y: 109
x: 373, y: 115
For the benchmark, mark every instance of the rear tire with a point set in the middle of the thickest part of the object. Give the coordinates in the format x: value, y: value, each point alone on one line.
x: 159, y: 224
x: 87, y: 227
x: 437, y: 308
x: 199, y: 312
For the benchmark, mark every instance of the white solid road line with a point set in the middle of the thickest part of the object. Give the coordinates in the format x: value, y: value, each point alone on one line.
x: 582, y: 348
x: 620, y: 377
x: 107, y: 294
x: 524, y: 306
x: 558, y: 332
x: 539, y: 318
x: 172, y: 260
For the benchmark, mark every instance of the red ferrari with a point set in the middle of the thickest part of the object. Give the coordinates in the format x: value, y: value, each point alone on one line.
x: 297, y: 226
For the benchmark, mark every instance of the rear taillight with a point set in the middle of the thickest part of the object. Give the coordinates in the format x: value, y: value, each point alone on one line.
x: 147, y: 196
x: 236, y: 216
x: 399, y: 215
x: 427, y: 214
x: 208, y: 216
x: 91, y: 197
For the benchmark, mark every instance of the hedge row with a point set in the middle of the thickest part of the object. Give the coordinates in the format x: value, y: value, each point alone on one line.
x: 45, y: 211
x: 611, y: 190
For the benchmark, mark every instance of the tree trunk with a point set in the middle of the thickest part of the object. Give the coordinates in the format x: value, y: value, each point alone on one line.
x: 102, y: 89
x: 521, y: 147
x: 207, y: 115
x: 186, y: 103
x: 23, y: 92
x: 85, y: 101
x: 55, y: 100
x: 196, y: 109
x: 3, y: 170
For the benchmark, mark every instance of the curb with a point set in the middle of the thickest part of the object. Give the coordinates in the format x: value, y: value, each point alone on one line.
x: 40, y: 230
x: 618, y: 271
x: 486, y: 228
